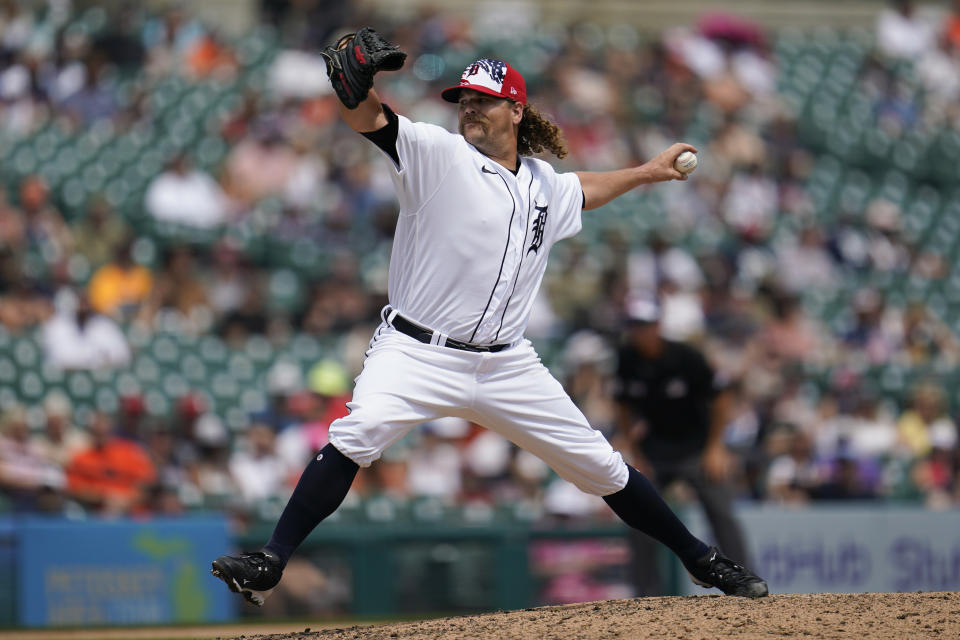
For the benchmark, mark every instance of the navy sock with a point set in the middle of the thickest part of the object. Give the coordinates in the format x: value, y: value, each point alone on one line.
x: 322, y: 487
x: 640, y: 506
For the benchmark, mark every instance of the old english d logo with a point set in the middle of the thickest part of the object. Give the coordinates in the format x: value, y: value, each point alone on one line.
x: 539, y: 223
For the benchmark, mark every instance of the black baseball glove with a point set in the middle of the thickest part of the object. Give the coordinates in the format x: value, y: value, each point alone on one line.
x: 352, y: 62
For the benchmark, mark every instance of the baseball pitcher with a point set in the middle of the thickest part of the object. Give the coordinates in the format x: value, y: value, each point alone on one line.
x: 478, y: 216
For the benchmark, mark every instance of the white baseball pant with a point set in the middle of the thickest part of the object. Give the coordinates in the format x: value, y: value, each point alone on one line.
x: 405, y: 382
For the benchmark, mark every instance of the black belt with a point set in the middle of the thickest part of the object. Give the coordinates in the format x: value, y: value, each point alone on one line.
x: 422, y: 334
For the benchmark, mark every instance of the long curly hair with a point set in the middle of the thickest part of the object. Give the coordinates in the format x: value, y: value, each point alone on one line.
x: 537, y: 133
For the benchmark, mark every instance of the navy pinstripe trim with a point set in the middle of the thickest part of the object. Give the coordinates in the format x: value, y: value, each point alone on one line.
x: 523, y: 254
x: 373, y: 340
x: 502, y: 260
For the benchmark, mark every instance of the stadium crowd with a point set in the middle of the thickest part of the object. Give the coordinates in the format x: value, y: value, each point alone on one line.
x: 735, y: 255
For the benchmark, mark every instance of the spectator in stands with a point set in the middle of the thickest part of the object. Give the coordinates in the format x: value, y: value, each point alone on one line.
x: 790, y: 335
x: 794, y: 474
x: 187, y: 413
x: 210, y: 472
x: 328, y: 392
x: 210, y: 55
x: 24, y: 304
x: 119, y: 287
x: 926, y: 339
x: 236, y: 126
x: 903, y: 32
x: 13, y: 228
x: 952, y: 26
x: 885, y: 245
x: 250, y: 318
x: 589, y: 363
x: 858, y: 425
x: 873, y: 332
x: 261, y: 165
x: 95, y: 99
x: 925, y: 420
x: 434, y: 466
x: 186, y: 196
x: 805, y: 264
x: 167, y: 38
x: 101, y: 233
x: 339, y: 301
x: 256, y: 468
x: 230, y: 279
x: 650, y: 266
x: 847, y: 479
x: 61, y: 438
x: 284, y: 380
x: 47, y: 232
x: 751, y: 201
x: 111, y: 475
x: 935, y: 475
x: 160, y: 444
x: 27, y: 478
x: 77, y: 337
x: 937, y: 68
x: 25, y: 103
x: 572, y: 287
x: 130, y: 418
x: 179, y: 293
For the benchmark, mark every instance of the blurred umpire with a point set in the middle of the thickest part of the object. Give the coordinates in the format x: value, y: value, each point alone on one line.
x: 672, y: 410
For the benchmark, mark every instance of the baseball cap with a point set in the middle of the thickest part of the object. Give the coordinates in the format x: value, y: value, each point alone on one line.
x: 493, y: 77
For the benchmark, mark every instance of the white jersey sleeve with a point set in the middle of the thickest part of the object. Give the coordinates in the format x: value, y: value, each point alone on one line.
x: 426, y: 153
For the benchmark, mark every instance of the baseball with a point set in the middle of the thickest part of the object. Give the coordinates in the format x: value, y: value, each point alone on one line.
x: 686, y: 162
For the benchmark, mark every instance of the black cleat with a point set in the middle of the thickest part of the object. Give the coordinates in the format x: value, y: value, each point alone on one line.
x: 252, y: 575
x: 716, y: 570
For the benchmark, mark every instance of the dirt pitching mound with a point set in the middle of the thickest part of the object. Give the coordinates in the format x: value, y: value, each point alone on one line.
x: 868, y: 615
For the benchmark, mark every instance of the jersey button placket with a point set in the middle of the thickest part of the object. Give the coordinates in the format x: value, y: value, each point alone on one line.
x: 512, y: 261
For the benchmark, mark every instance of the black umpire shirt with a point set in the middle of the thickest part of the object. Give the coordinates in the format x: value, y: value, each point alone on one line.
x: 673, y: 394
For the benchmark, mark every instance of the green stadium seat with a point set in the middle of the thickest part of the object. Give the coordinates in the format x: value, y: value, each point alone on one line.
x: 259, y: 350
x: 193, y: 369
x: 236, y: 418
x: 146, y: 369
x: 26, y: 353
x: 30, y: 387
x: 285, y: 291
x: 24, y: 161
x: 157, y: 402
x: 241, y: 367
x: 106, y: 400
x: 213, y: 351
x: 225, y: 388
x: 175, y: 385
x: 166, y: 351
x: 210, y: 151
x: 306, y: 348
x: 252, y: 398
x: 80, y: 388
x: 103, y: 377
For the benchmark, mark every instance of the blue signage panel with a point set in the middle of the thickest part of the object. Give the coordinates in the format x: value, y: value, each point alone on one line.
x: 848, y: 549
x: 120, y: 572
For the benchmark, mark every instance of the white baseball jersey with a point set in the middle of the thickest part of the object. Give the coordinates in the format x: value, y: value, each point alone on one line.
x: 472, y: 238
x: 469, y: 253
